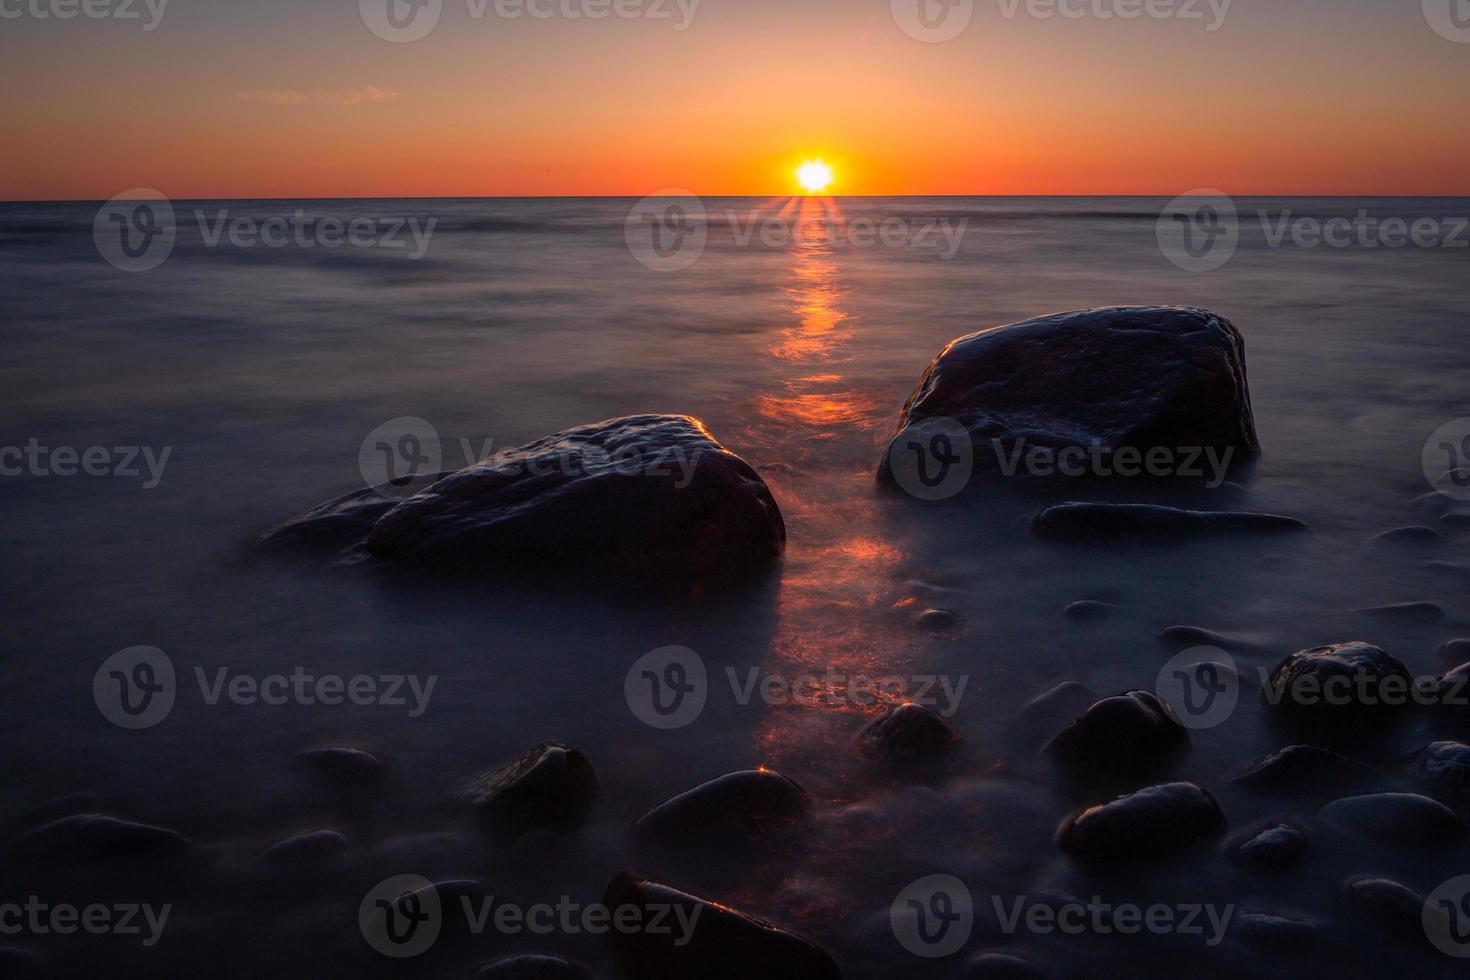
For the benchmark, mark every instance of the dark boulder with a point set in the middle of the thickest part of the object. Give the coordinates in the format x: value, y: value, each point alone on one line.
x: 909, y: 734
x: 1146, y: 824
x: 1341, y: 681
x: 1306, y: 770
x: 752, y: 808
x: 1408, y: 612
x: 96, y: 837
x: 1270, y: 850
x: 1134, y: 736
x: 706, y: 940
x: 648, y: 497
x: 1121, y: 377
x: 1455, y: 651
x: 1408, y: 537
x: 1442, y: 770
x: 1094, y: 522
x: 1400, y: 818
x: 343, y: 767
x: 532, y: 968
x: 937, y: 620
x: 551, y: 787
x: 1388, y: 906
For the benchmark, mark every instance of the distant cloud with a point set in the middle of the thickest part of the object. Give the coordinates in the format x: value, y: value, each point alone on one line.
x: 356, y: 95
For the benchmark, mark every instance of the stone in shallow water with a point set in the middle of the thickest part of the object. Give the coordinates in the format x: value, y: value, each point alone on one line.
x: 1131, y: 736
x: 343, y: 766
x: 1340, y: 681
x: 1408, y: 537
x: 1184, y: 637
x: 1389, y: 906
x: 648, y: 497
x: 1088, y: 610
x: 532, y: 968
x: 1455, y: 651
x: 937, y: 620
x: 1003, y: 966
x: 909, y: 734
x: 754, y: 807
x: 1134, y: 377
x: 1400, y: 818
x: 1271, y: 850
x: 97, y: 837
x: 551, y: 787
x: 312, y: 846
x: 1414, y: 612
x: 1143, y: 825
x: 1306, y: 770
x: 721, y: 944
x: 1078, y: 521
x: 1442, y: 770
x: 1274, y: 933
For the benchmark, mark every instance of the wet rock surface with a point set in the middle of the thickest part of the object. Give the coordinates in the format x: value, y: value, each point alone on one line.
x: 1401, y: 818
x: 1150, y: 823
x: 1307, y: 770
x: 752, y: 808
x: 1078, y: 521
x: 1339, y: 682
x: 1271, y: 850
x: 1133, y: 736
x: 532, y: 967
x: 722, y: 944
x: 653, y: 497
x: 1135, y: 377
x: 551, y: 787
x: 1442, y: 770
x: 908, y: 735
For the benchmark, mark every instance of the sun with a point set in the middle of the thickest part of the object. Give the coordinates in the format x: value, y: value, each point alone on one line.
x: 814, y: 176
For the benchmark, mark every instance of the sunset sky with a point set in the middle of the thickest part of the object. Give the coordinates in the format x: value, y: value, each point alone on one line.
x: 298, y: 98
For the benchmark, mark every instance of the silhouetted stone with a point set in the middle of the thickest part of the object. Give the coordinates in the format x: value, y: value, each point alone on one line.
x: 1149, y: 823
x: 648, y: 498
x: 1400, y: 818
x: 1455, y: 651
x: 1306, y: 770
x: 343, y: 766
x: 1132, y: 736
x: 937, y: 620
x: 909, y: 734
x: 1122, y: 377
x: 1413, y: 612
x: 1340, y: 681
x: 1271, y: 850
x: 1091, y: 522
x: 1184, y: 637
x: 1408, y: 537
x: 1442, y: 770
x: 1388, y: 906
x: 1003, y: 966
x: 311, y: 847
x: 96, y: 837
x: 1089, y: 610
x: 1273, y: 933
x: 551, y: 787
x: 532, y: 968
x: 751, y: 807
x: 723, y: 943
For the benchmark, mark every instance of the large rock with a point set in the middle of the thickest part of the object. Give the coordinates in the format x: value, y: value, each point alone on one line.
x: 1133, y: 736
x: 1341, y: 681
x: 1442, y: 770
x: 551, y: 787
x: 706, y: 940
x: 1271, y: 850
x: 751, y: 808
x: 1090, y: 522
x: 1400, y: 818
x: 1307, y: 770
x: 649, y: 497
x: 1150, y: 823
x: 908, y: 735
x: 1136, y: 377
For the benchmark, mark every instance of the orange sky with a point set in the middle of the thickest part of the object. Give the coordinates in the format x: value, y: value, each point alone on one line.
x: 280, y: 99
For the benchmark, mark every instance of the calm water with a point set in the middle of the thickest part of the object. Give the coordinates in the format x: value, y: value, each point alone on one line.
x: 261, y: 370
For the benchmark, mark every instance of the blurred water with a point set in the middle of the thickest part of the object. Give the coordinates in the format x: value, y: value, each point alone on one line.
x: 263, y: 369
